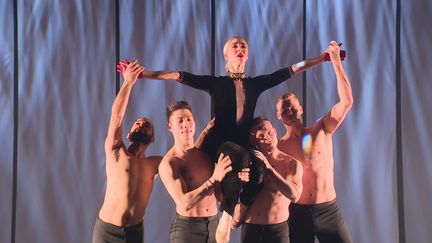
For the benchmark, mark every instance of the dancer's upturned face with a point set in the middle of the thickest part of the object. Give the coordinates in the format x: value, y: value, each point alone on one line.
x: 289, y: 110
x: 141, y: 132
x: 237, y: 52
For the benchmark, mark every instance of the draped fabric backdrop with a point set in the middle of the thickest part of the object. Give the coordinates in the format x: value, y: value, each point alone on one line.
x: 58, y: 83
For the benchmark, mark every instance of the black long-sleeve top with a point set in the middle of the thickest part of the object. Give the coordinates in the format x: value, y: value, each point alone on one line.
x: 223, y: 96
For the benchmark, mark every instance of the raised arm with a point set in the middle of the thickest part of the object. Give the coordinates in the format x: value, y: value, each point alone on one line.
x: 176, y: 186
x: 205, y: 132
x: 290, y: 186
x: 201, y: 82
x: 338, y: 112
x: 307, y: 64
x: 312, y: 62
x: 161, y: 75
x: 264, y: 82
x: 114, y: 136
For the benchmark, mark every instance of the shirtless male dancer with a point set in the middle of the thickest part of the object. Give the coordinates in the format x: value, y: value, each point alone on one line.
x: 266, y: 218
x: 190, y: 178
x: 316, y: 212
x: 130, y: 174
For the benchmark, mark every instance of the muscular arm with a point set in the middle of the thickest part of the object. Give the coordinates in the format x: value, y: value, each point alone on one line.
x: 177, y: 188
x: 290, y: 186
x: 202, y: 82
x: 161, y: 75
x: 199, y: 142
x: 339, y: 111
x: 114, y: 136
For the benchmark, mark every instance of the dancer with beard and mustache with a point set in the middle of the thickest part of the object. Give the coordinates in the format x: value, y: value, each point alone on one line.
x: 130, y: 173
x: 234, y: 97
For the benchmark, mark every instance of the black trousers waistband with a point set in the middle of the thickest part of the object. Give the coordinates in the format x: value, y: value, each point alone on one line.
x: 197, y: 219
x: 318, y: 205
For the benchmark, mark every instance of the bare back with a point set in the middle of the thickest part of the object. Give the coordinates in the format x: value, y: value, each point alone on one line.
x: 182, y: 173
x: 316, y: 157
x: 271, y: 205
x: 129, y: 185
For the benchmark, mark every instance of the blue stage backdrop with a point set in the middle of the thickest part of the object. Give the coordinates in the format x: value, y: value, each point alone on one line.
x: 66, y: 83
x: 7, y: 115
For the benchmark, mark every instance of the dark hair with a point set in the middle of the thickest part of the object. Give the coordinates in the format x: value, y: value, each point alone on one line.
x: 256, y: 121
x: 286, y: 96
x: 177, y: 105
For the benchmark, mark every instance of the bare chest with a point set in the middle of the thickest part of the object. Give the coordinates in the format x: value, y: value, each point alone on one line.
x: 129, y: 168
x: 195, y: 170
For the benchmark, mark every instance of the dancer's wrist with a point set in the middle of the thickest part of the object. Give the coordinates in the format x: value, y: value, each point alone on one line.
x: 209, y: 184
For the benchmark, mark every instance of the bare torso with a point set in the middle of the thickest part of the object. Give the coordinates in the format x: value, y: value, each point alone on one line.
x: 129, y: 185
x: 193, y: 168
x: 314, y: 150
x: 271, y: 205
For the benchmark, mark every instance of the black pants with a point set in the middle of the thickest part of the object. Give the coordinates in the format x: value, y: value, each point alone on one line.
x: 233, y: 188
x: 322, y: 220
x: 193, y: 229
x: 108, y: 233
x: 265, y: 233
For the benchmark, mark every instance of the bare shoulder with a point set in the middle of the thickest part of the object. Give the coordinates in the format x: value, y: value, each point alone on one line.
x: 167, y: 161
x: 169, y: 167
x: 290, y: 162
x: 153, y: 162
x: 294, y: 163
x: 286, y: 157
x: 155, y: 159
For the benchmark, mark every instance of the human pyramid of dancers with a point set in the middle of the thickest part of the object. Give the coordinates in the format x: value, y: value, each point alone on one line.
x: 276, y: 189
